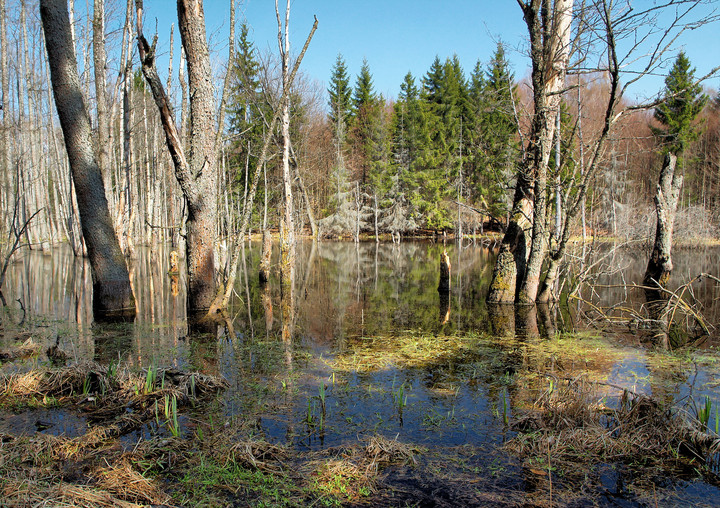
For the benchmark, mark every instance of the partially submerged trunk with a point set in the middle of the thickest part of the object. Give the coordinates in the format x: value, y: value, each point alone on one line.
x: 444, y: 284
x: 112, y: 293
x: 516, y: 276
x: 202, y: 198
x: 196, y: 173
x: 512, y: 258
x: 660, y: 264
x: 264, y: 273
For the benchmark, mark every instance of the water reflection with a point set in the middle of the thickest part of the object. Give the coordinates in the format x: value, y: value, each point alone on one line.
x: 336, y: 334
x: 342, y: 290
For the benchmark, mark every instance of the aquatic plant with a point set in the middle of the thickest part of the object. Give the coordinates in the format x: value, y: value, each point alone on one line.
x: 150, y: 380
x: 171, y: 415
x: 321, y: 396
x: 505, y: 416
x: 704, y: 413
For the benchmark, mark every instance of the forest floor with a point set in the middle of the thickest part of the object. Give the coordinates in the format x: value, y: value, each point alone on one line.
x: 83, y: 434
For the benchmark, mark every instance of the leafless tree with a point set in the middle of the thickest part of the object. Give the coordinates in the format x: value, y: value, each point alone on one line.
x: 613, y: 40
x: 196, y: 172
x: 112, y: 293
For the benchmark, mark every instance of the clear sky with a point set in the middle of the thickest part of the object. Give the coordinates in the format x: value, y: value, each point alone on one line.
x: 397, y: 36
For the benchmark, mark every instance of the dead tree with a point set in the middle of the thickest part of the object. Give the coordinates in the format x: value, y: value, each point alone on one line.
x: 444, y: 284
x: 287, y: 225
x: 660, y: 264
x: 112, y: 294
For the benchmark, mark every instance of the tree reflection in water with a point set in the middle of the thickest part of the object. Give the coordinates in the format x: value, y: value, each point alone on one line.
x: 341, y: 291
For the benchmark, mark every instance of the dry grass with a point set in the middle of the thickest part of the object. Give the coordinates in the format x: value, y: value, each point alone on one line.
x: 352, y: 472
x: 91, y: 470
x: 404, y: 351
x: 124, y: 482
x: 571, y: 428
x: 260, y: 455
x: 54, y: 471
x: 27, y: 349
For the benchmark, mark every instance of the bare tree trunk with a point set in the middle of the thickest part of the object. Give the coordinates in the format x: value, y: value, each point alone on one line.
x: 287, y: 228
x: 103, y: 129
x: 266, y: 256
x: 125, y: 206
x: 196, y: 174
x: 4, y: 126
x: 516, y: 276
x: 112, y: 293
x: 660, y: 264
x: 550, y: 43
x: 444, y: 284
x: 515, y: 247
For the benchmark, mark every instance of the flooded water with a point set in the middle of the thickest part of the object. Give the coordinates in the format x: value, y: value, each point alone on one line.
x: 368, y: 346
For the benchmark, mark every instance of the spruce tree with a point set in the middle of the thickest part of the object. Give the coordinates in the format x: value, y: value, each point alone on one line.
x: 340, y: 96
x: 245, y: 109
x: 366, y: 125
x: 495, y: 148
x: 398, y: 215
x: 683, y: 101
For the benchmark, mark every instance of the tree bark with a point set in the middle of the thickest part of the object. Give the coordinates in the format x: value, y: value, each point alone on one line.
x: 196, y: 173
x: 444, y: 284
x: 510, y: 265
x: 287, y: 226
x: 550, y: 45
x: 660, y: 264
x: 266, y: 255
x: 103, y: 129
x: 516, y: 276
x: 5, y: 197
x: 112, y: 293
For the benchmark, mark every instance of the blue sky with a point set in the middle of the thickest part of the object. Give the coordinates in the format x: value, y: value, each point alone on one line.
x: 397, y: 36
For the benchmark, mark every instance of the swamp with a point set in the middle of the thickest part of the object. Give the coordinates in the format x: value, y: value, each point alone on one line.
x: 232, y: 275
x: 370, y: 389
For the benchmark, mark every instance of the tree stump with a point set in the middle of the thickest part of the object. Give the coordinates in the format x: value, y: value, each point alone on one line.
x: 444, y: 285
x: 264, y: 273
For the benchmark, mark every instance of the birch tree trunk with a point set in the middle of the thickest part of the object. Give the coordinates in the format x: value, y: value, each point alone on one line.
x: 112, y: 293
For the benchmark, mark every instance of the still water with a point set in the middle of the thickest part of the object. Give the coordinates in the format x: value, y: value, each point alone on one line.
x: 368, y: 345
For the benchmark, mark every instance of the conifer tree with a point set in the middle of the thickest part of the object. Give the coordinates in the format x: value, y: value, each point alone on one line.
x: 398, y: 213
x: 246, y: 108
x: 340, y: 97
x: 684, y: 100
x: 495, y: 148
x: 366, y: 128
x: 340, y: 92
x: 444, y: 98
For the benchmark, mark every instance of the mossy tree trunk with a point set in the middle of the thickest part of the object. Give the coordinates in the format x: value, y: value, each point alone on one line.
x: 660, y: 264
